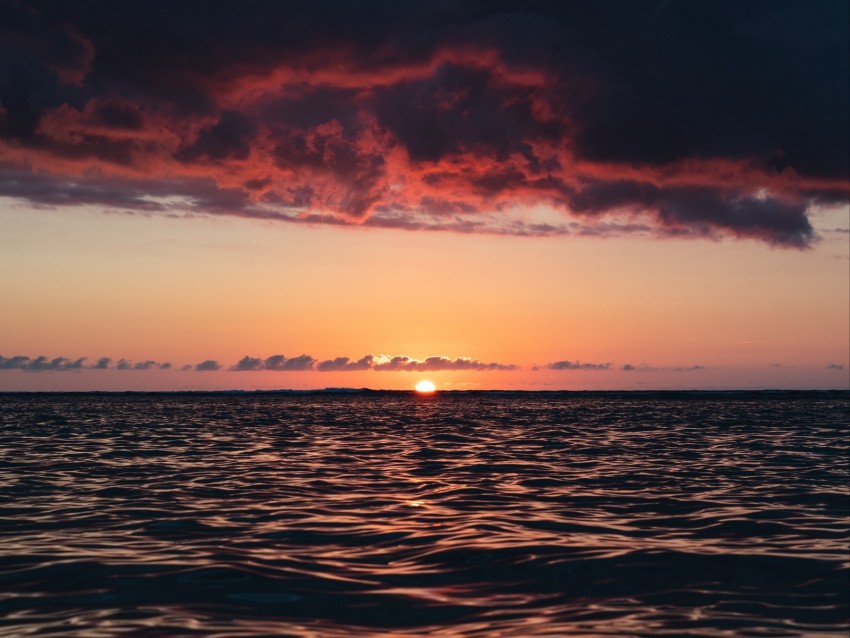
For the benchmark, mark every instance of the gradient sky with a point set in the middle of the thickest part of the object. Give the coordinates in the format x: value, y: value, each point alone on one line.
x: 535, y: 195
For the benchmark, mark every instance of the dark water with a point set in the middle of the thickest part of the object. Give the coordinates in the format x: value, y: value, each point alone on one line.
x: 401, y: 515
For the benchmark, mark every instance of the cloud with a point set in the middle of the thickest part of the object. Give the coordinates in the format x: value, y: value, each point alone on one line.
x: 646, y: 119
x: 14, y: 363
x: 835, y: 366
x: 628, y: 367
x: 41, y: 363
x: 384, y: 363
x: 247, y: 363
x: 276, y: 362
x: 147, y: 365
x: 126, y: 364
x: 344, y: 364
x: 45, y: 364
x: 379, y: 363
x: 101, y: 364
x: 702, y: 211
x: 280, y: 363
x: 573, y: 365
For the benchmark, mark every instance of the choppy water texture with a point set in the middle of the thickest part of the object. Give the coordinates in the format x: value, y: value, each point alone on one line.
x: 401, y: 515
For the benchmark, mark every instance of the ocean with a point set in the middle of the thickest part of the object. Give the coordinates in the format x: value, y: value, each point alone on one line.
x: 383, y: 514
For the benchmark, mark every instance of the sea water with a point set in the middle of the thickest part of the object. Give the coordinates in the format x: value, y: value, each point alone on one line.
x: 393, y: 514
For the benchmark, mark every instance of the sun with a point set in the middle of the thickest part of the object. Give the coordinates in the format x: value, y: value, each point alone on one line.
x: 425, y: 386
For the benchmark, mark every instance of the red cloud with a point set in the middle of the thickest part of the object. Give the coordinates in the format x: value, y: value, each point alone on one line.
x: 466, y: 133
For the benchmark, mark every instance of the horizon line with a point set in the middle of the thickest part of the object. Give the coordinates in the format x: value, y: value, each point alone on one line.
x: 344, y: 390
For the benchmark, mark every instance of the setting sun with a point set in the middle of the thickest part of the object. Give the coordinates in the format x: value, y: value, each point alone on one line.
x: 425, y: 386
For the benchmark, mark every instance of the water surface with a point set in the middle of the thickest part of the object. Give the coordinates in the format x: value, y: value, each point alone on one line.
x: 390, y: 514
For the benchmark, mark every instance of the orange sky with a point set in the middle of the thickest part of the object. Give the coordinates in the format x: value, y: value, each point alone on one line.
x: 84, y: 283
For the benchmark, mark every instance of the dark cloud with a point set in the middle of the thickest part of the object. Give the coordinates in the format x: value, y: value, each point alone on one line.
x: 276, y: 362
x: 573, y: 365
x: 458, y: 108
x: 229, y: 138
x: 344, y: 364
x: 702, y: 211
x: 685, y: 118
x: 208, y: 365
x: 724, y: 79
x: 117, y: 114
x: 835, y: 366
x: 332, y: 152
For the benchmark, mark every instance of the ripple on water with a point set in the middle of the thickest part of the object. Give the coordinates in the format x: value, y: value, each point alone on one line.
x: 461, y: 514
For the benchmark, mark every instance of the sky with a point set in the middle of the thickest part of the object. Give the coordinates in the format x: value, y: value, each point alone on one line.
x: 500, y: 195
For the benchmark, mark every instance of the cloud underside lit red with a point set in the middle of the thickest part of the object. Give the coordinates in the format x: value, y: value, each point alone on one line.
x: 480, y: 129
